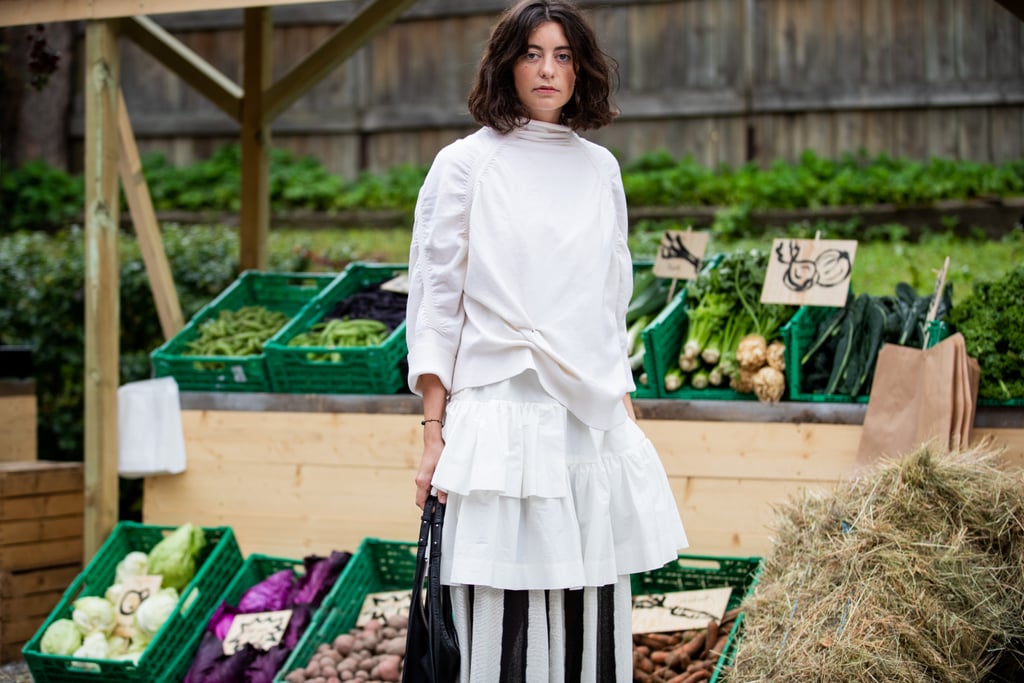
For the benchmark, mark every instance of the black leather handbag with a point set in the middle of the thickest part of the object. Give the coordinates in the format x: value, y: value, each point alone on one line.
x: 431, y: 646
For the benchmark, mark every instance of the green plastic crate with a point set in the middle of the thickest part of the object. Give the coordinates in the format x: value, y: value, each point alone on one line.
x: 375, y: 567
x: 698, y: 572
x: 665, y: 336
x: 650, y: 390
x: 362, y: 370
x: 219, y: 560
x: 800, y: 332
x: 282, y: 292
x: 391, y: 565
x: 254, y: 569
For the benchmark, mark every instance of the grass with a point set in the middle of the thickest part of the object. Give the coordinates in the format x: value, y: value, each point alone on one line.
x: 878, y: 266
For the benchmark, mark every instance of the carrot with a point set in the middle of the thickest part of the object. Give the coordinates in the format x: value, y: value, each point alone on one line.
x: 710, y: 636
x: 719, y: 647
x: 694, y: 646
x: 697, y: 676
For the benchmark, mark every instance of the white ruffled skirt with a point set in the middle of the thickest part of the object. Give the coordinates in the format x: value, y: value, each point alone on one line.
x: 539, y: 500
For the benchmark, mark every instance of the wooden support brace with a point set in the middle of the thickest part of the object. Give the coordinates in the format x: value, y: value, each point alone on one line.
x: 140, y: 205
x: 186, y: 64
x: 335, y: 50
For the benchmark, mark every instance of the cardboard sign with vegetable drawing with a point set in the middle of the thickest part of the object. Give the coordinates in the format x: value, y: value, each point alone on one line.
x: 678, y: 611
x: 262, y: 630
x: 680, y: 254
x: 809, y: 272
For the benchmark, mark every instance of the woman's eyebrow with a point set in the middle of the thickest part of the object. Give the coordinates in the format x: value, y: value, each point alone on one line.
x: 531, y: 46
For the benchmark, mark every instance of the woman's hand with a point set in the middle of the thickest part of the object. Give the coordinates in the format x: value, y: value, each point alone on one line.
x: 433, y: 444
x: 435, y: 399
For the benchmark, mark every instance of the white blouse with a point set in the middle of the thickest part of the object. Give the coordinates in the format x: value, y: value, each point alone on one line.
x: 519, y: 260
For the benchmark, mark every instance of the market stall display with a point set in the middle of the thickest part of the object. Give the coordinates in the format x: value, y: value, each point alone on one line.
x: 115, y: 623
x: 221, y: 348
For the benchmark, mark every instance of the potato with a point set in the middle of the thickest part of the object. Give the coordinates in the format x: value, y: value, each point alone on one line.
x: 296, y: 676
x: 343, y: 644
x: 388, y: 668
x: 398, y: 621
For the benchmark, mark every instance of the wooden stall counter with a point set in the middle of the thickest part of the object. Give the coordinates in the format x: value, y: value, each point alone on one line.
x: 294, y: 475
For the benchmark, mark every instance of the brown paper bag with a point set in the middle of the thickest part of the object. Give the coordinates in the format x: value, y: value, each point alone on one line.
x: 917, y: 397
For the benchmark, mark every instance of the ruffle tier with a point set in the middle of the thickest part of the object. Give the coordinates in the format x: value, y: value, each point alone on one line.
x: 539, y: 500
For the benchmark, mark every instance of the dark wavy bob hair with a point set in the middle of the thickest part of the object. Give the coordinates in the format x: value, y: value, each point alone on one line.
x: 493, y: 101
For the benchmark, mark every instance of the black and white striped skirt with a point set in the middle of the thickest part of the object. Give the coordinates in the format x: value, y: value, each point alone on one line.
x: 537, y: 636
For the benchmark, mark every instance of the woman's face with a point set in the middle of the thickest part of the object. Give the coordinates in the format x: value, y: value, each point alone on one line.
x: 545, y: 74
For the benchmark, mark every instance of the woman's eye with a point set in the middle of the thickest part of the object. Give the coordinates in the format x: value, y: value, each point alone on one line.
x: 565, y: 57
x: 532, y: 55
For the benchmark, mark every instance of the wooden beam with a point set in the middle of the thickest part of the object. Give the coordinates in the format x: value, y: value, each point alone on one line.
x: 335, y: 50
x: 140, y: 205
x: 186, y: 64
x: 23, y: 12
x: 254, y: 217
x: 1014, y: 6
x: 102, y: 310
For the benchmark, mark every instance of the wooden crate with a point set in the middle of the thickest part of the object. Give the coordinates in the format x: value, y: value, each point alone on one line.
x: 41, y: 529
x: 26, y: 599
x: 41, y: 514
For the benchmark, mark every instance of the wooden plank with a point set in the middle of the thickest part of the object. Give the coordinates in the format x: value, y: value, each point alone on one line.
x: 13, y: 585
x: 1006, y: 135
x: 22, y: 12
x: 972, y: 41
x: 36, y: 606
x: 938, y: 33
x: 370, y: 21
x: 260, y: 479
x: 18, y: 416
x: 254, y: 217
x: 48, y: 505
x: 151, y: 246
x: 102, y: 300
x: 186, y: 64
x: 19, y: 631
x: 14, y: 532
x: 40, y: 554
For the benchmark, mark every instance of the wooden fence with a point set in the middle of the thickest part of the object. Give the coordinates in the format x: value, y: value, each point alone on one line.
x: 723, y: 80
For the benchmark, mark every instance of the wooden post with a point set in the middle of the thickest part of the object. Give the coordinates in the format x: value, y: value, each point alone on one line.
x: 151, y: 245
x: 102, y: 312
x: 254, y: 218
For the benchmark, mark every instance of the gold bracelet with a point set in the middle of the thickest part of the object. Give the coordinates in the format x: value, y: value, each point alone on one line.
x: 424, y: 422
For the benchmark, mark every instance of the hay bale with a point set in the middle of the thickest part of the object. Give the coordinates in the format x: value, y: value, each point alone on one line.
x: 913, y: 571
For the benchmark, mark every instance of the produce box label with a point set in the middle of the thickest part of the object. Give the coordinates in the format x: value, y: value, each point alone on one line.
x: 809, y: 272
x: 398, y: 284
x: 679, y: 611
x: 382, y: 605
x: 136, y: 589
x: 263, y: 630
x: 680, y: 254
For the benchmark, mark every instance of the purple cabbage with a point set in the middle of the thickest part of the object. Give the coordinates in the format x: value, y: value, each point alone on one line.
x: 269, y: 595
x: 320, y: 575
x: 278, y: 591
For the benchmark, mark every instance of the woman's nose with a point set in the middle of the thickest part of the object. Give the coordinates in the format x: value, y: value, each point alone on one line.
x: 547, y: 67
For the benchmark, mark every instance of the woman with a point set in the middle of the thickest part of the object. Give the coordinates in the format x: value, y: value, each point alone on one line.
x: 520, y: 275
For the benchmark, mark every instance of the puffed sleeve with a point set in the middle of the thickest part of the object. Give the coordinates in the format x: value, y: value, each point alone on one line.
x: 625, y: 267
x: 437, y: 267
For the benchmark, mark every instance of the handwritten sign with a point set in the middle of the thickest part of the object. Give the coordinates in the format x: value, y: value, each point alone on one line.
x: 263, y: 630
x: 809, y: 272
x: 382, y: 605
x: 680, y: 611
x: 136, y: 589
x: 680, y: 254
x: 398, y: 284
